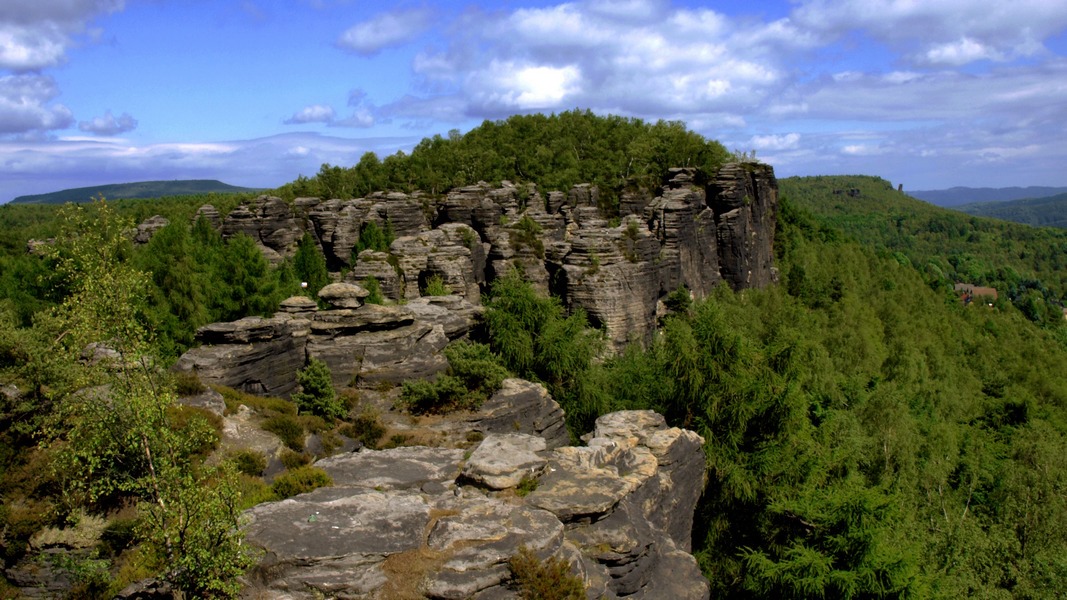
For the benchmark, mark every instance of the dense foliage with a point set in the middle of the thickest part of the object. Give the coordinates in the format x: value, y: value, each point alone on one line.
x: 1039, y: 212
x: 867, y: 435
x: 555, y: 152
x: 196, y: 277
x: 108, y: 430
x: 1027, y: 265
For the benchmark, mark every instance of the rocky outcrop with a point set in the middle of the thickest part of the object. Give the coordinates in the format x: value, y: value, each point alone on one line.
x: 360, y: 343
x: 148, y: 228
x: 254, y: 354
x: 698, y: 230
x: 271, y: 222
x: 422, y: 522
x: 744, y: 198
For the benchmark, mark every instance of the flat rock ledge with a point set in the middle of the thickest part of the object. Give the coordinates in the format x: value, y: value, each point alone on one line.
x: 442, y: 523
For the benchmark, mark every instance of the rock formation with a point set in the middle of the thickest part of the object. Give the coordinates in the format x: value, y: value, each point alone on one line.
x: 699, y: 230
x: 365, y: 343
x: 426, y: 522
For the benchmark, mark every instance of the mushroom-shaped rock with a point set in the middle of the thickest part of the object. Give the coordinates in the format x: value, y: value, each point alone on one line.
x: 298, y: 305
x: 344, y: 295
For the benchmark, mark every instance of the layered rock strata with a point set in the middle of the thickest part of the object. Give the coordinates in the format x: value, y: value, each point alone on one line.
x: 697, y: 231
x: 360, y: 343
x: 423, y: 522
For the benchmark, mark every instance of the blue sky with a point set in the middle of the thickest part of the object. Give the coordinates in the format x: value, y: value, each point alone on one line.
x: 927, y: 93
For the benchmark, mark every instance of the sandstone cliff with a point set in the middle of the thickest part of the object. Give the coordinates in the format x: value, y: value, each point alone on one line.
x: 699, y: 230
x: 428, y: 522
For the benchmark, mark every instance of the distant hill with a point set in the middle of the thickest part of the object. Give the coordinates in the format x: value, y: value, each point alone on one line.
x: 140, y: 189
x: 1050, y: 211
x: 966, y: 195
x: 945, y: 244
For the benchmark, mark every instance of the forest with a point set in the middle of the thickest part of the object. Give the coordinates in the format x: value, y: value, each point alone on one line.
x: 866, y: 434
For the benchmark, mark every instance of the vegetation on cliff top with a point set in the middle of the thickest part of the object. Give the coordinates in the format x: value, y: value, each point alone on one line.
x: 867, y: 436
x: 555, y: 152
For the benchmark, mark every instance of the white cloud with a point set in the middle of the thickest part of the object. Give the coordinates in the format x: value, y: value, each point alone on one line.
x: 385, y: 31
x: 316, y: 113
x: 647, y: 59
x: 35, y: 34
x: 529, y: 87
x: 789, y: 141
x: 109, y: 124
x: 952, y: 32
x: 24, y: 105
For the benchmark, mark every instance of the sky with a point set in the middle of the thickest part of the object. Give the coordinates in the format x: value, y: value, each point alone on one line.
x: 930, y: 94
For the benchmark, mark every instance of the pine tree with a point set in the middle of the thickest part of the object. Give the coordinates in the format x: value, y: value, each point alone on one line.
x: 310, y: 265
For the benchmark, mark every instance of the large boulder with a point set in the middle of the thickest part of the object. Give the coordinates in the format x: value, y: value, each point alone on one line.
x: 402, y: 522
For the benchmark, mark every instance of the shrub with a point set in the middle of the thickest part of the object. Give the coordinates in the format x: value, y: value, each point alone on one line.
x: 366, y: 428
x: 526, y: 485
x: 678, y: 301
x: 188, y: 383
x: 527, y: 232
x: 435, y: 286
x: 544, y: 580
x: 478, y: 368
x: 371, y: 285
x: 373, y: 237
x: 261, y: 404
x: 444, y: 394
x: 316, y: 395
x: 288, y: 428
x: 200, y: 428
x: 249, y: 462
x: 293, y: 460
x: 299, y: 481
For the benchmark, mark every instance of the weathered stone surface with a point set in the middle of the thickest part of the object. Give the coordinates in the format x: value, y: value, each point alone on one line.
x: 253, y: 354
x: 521, y: 406
x: 271, y: 222
x: 454, y: 314
x: 449, y: 252
x: 405, y: 468
x: 698, y: 230
x: 745, y: 200
x: 375, y: 264
x: 209, y: 400
x: 210, y: 214
x: 343, y: 295
x: 366, y: 345
x: 298, y: 305
x: 148, y: 228
x: 502, y: 460
x: 395, y: 524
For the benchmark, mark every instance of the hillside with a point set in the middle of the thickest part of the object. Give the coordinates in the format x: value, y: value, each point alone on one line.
x: 864, y: 434
x: 140, y: 189
x: 1027, y: 265
x: 1048, y: 211
x: 956, y: 196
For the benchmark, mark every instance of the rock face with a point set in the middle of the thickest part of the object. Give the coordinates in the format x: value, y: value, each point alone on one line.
x: 422, y: 522
x: 365, y: 343
x: 700, y: 229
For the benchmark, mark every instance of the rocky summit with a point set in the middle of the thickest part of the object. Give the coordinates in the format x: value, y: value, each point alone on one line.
x: 443, y: 523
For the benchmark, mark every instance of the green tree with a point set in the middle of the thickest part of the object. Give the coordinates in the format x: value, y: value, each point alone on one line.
x: 310, y: 265
x: 316, y: 395
x: 247, y: 284
x: 119, y: 440
x: 179, y: 302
